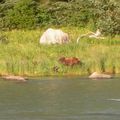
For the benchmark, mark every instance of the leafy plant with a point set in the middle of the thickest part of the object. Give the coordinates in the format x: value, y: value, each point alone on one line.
x: 102, y: 14
x: 22, y: 15
x: 107, y: 17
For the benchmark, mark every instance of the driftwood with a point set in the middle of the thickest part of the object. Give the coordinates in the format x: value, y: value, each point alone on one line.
x: 96, y: 35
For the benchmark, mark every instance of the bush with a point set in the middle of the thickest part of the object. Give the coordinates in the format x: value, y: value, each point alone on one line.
x: 108, y: 17
x: 4, y: 7
x: 22, y: 15
x: 70, y: 13
x: 104, y: 14
x: 44, y: 18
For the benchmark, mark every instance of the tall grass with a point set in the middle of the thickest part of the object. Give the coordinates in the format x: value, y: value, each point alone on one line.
x: 23, y: 55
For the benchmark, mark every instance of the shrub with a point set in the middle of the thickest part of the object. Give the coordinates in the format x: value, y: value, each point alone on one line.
x: 104, y: 14
x: 44, y: 19
x: 107, y: 17
x: 62, y: 13
x: 4, y: 7
x: 22, y: 15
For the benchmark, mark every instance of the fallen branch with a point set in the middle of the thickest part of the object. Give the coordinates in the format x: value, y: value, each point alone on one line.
x: 96, y: 35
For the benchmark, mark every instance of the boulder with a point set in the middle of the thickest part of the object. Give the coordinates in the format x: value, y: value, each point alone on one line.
x: 54, y: 36
x: 97, y: 75
x: 16, y: 78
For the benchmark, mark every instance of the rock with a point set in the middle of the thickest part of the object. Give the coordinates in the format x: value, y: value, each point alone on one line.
x: 69, y: 61
x: 117, y: 100
x: 16, y: 78
x: 97, y: 75
x: 54, y: 36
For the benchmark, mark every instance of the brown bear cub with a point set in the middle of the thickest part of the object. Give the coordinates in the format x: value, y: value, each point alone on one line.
x: 69, y: 61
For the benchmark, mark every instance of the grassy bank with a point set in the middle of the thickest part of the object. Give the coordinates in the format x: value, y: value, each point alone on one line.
x: 21, y: 54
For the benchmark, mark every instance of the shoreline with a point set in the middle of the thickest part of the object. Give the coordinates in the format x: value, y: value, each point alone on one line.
x: 57, y: 75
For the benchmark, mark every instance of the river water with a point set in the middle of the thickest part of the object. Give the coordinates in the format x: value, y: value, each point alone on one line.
x: 67, y: 98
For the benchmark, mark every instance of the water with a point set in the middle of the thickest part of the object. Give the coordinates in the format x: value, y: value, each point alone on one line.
x: 71, y: 98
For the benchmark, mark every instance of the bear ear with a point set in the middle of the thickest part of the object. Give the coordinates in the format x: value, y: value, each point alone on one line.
x: 61, y: 58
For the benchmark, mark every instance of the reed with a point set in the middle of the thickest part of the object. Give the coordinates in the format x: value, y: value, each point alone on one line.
x: 23, y: 55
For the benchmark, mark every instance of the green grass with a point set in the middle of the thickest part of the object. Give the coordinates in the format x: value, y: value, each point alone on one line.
x: 23, y: 55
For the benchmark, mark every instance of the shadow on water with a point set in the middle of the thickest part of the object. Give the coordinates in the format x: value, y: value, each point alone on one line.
x: 60, y: 98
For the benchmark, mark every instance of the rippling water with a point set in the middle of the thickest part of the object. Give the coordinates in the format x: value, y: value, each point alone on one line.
x: 69, y: 98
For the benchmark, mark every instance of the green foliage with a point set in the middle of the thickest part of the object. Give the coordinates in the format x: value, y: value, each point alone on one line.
x: 4, y: 7
x: 108, y: 17
x: 44, y: 19
x: 102, y: 14
x: 72, y: 13
x: 22, y: 15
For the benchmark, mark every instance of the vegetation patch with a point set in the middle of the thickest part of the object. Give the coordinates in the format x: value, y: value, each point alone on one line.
x: 30, y: 14
x: 24, y: 55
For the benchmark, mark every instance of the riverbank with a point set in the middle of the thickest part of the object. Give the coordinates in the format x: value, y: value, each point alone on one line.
x: 21, y: 54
